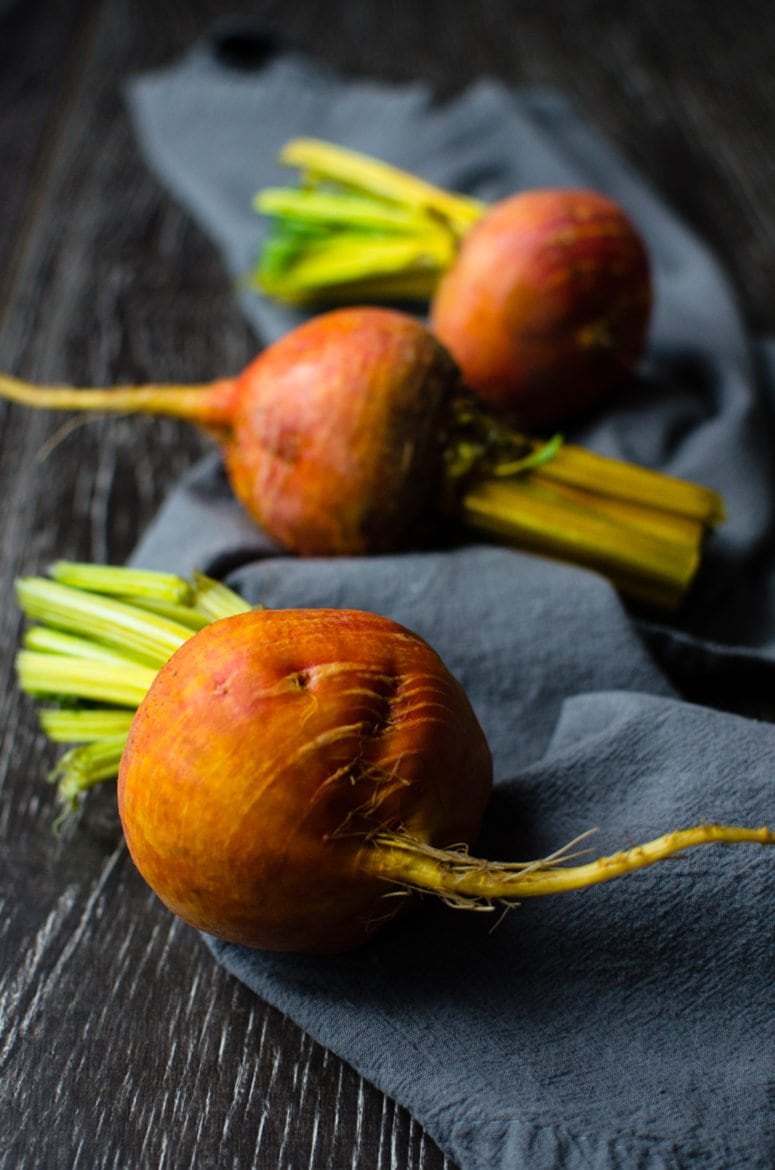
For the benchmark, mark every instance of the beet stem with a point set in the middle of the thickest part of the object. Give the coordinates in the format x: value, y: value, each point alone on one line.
x: 104, y: 632
x: 318, y: 160
x: 106, y: 619
x: 136, y: 583
x: 83, y: 767
x: 86, y: 725
x: 357, y: 228
x: 642, y: 529
x: 535, y: 517
x: 74, y: 678
x: 468, y: 881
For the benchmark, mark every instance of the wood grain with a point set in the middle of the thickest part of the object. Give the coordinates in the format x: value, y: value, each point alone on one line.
x: 122, y: 1044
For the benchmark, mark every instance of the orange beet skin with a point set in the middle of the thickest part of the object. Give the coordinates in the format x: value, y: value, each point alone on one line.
x: 267, y: 754
x: 546, y: 309
x: 337, y: 431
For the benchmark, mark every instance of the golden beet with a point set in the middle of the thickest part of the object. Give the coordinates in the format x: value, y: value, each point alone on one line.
x: 355, y: 434
x: 547, y: 305
x: 337, y: 434
x: 268, y: 753
x: 289, y: 777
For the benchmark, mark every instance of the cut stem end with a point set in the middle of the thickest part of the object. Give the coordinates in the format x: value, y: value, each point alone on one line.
x: 102, y: 634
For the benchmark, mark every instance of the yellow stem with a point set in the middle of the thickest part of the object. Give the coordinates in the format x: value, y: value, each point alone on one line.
x: 85, y: 726
x: 457, y: 876
x: 351, y: 211
x: 527, y: 513
x: 349, y: 167
x: 102, y: 682
x: 580, y: 467
x: 670, y: 526
x: 327, y: 266
x: 416, y: 285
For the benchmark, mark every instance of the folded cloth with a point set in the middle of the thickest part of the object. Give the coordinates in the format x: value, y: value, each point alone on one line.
x: 626, y: 1026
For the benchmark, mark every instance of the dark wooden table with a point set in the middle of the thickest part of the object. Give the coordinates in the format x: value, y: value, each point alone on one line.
x: 122, y: 1044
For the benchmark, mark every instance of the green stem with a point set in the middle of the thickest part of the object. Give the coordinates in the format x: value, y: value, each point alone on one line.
x: 215, y: 600
x: 86, y: 725
x: 105, y: 632
x: 338, y: 265
x: 106, y: 620
x: 51, y: 641
x: 60, y: 677
x: 129, y: 582
x: 181, y: 615
x: 83, y: 767
x: 331, y: 209
x: 358, y: 228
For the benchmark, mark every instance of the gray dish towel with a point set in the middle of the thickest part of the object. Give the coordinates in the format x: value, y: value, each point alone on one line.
x: 631, y: 1025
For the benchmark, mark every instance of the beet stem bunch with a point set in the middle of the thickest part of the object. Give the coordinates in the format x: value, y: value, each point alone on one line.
x: 101, y: 633
x: 357, y: 228
x: 99, y: 637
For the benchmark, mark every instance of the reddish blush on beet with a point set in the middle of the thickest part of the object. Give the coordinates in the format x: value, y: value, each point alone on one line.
x: 547, y: 306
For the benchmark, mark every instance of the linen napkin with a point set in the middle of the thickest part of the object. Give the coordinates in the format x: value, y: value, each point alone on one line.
x: 628, y: 1026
